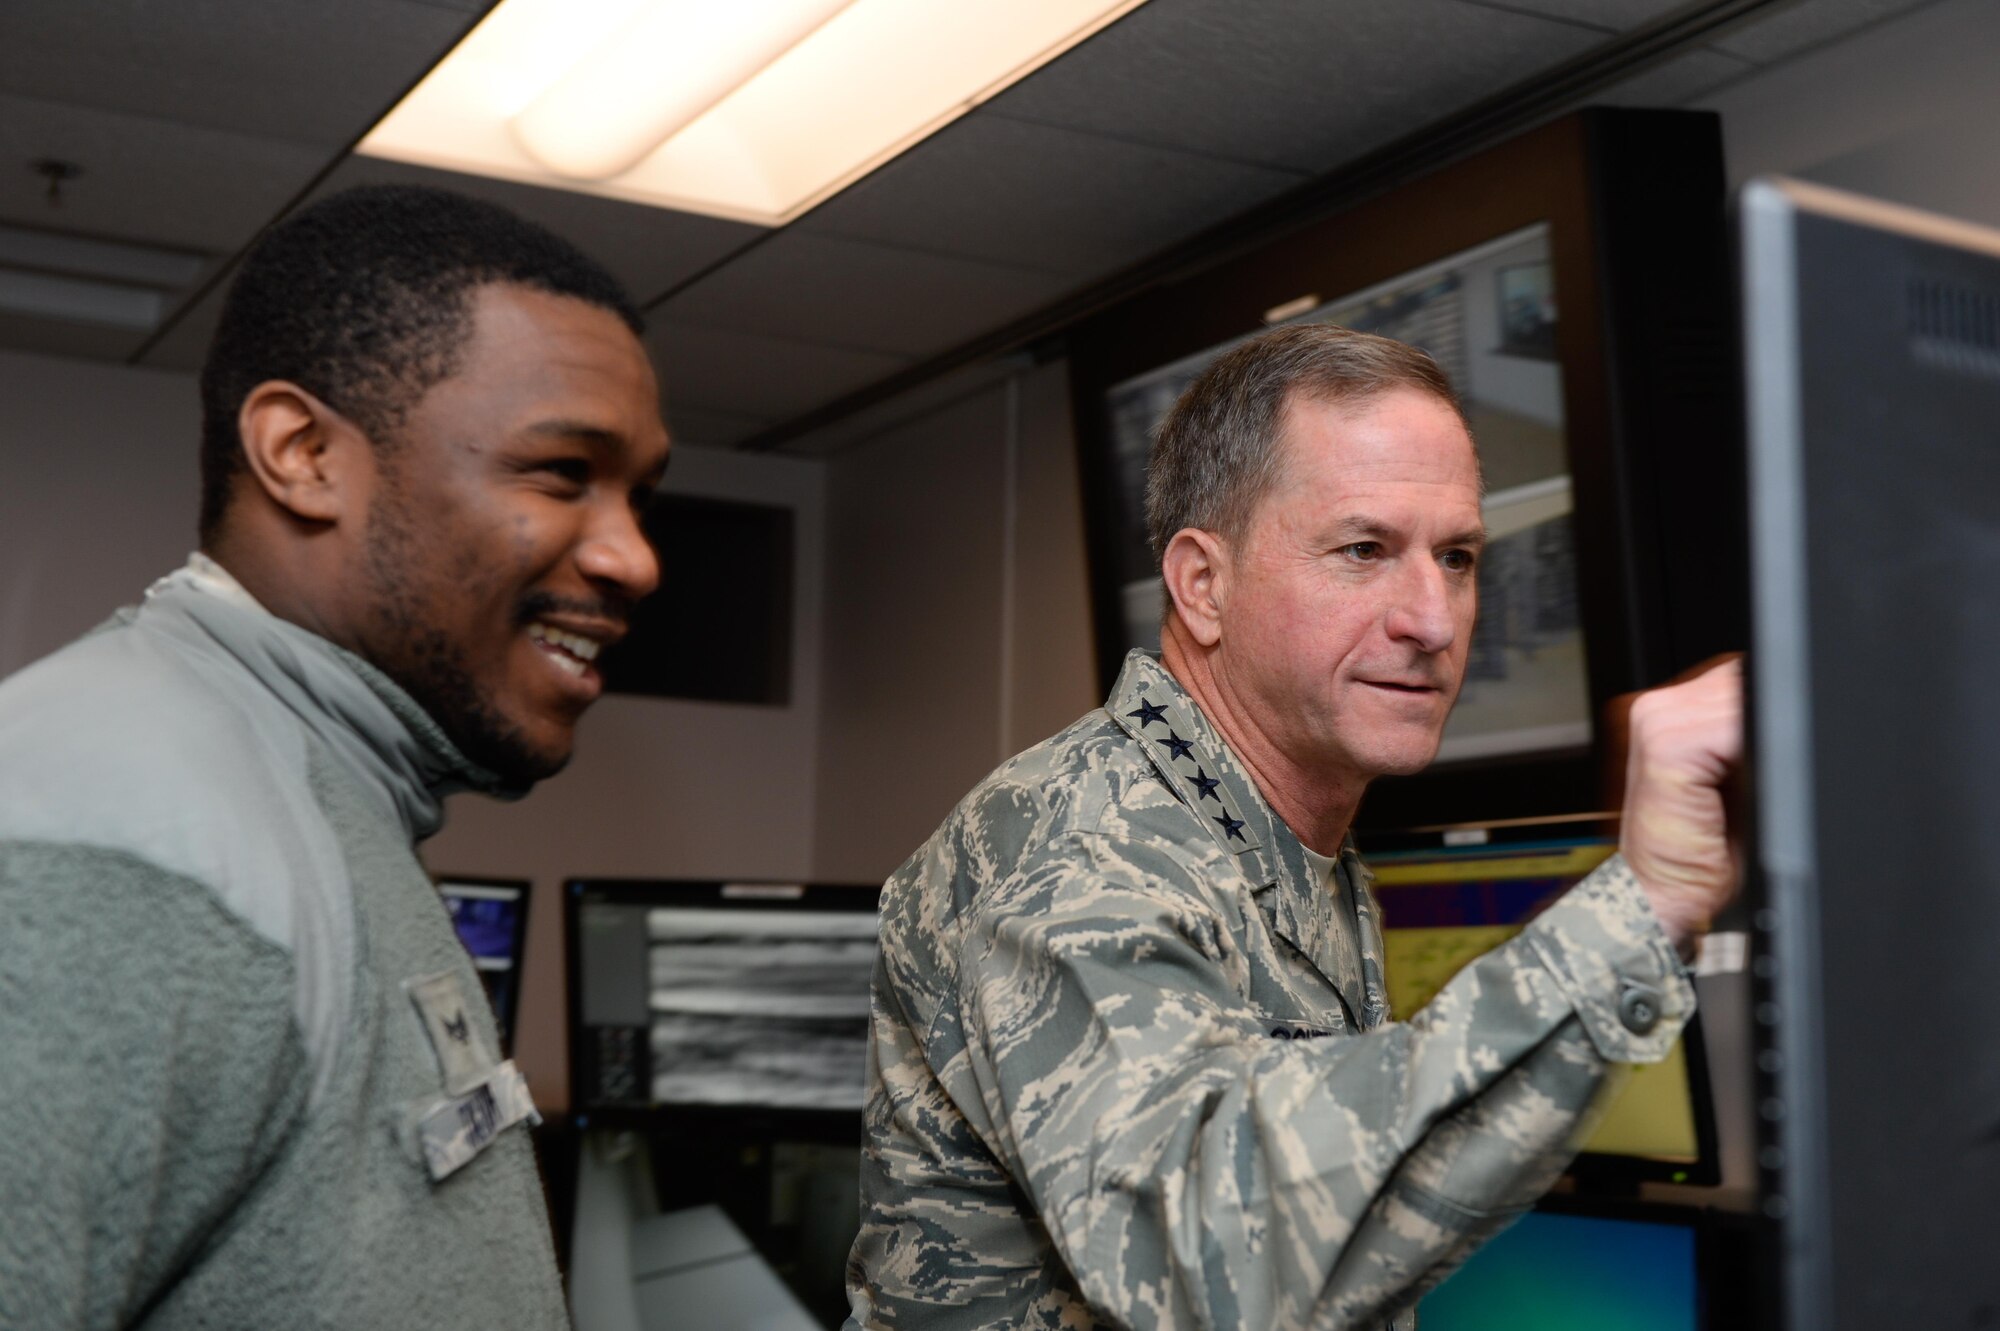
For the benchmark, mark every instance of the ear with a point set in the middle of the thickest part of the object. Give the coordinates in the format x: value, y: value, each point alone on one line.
x: 302, y: 453
x: 1195, y: 567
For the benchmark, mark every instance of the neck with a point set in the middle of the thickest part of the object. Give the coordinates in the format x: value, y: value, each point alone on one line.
x: 274, y: 579
x: 1317, y: 805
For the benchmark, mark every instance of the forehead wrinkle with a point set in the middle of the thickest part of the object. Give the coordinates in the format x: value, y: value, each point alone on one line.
x: 1369, y: 527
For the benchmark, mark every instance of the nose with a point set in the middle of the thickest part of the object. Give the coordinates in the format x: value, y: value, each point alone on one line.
x: 616, y: 553
x: 1424, y: 610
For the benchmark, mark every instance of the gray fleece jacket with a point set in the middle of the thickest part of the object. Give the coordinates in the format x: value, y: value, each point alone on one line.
x: 246, y: 1071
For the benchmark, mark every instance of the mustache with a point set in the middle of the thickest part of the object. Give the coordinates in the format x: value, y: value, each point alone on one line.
x: 611, y: 606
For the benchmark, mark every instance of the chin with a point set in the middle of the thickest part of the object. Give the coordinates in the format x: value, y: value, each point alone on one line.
x: 1406, y: 760
x: 519, y: 752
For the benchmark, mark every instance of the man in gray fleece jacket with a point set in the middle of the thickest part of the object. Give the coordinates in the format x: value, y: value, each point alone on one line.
x: 247, y: 1075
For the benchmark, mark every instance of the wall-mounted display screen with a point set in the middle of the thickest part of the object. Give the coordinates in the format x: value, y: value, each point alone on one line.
x: 1487, y: 315
x: 713, y: 994
x: 722, y: 636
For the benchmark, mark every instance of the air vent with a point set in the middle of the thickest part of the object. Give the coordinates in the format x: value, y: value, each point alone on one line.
x: 1955, y: 327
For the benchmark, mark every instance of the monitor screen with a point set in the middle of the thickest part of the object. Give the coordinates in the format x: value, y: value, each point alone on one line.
x: 695, y: 994
x: 1552, y: 1271
x: 491, y: 917
x: 1449, y: 896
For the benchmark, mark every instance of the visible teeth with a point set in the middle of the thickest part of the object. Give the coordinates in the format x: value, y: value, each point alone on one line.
x: 583, y: 649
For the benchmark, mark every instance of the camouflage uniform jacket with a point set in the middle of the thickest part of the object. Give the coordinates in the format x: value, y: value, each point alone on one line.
x: 1130, y: 1065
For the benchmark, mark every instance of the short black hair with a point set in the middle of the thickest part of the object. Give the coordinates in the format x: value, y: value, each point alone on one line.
x: 364, y: 299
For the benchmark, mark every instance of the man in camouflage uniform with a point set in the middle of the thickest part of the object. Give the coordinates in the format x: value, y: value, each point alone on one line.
x: 1130, y: 1061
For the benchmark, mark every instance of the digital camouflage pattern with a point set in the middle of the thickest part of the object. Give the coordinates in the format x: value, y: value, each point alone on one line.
x: 1131, y: 1066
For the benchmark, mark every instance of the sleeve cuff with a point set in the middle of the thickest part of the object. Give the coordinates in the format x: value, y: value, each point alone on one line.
x: 1608, y: 954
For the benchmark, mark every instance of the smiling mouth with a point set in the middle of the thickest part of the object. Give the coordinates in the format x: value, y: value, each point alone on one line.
x: 573, y: 652
x: 1394, y: 687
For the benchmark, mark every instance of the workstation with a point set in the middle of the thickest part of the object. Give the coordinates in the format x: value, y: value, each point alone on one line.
x: 1715, y: 288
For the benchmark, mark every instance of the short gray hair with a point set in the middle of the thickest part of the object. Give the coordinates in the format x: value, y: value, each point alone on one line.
x: 1216, y: 454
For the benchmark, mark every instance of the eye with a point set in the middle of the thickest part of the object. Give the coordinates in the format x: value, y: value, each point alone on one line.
x: 1459, y: 561
x: 572, y: 472
x: 1363, y: 552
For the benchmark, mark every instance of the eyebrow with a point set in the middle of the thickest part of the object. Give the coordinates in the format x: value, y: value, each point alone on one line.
x: 590, y: 434
x: 1363, y: 528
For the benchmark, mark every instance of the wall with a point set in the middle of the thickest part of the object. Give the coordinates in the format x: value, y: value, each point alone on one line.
x: 1902, y: 111
x: 98, y: 493
x: 957, y: 615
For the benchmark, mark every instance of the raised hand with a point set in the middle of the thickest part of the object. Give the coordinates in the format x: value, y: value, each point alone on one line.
x: 1685, y: 742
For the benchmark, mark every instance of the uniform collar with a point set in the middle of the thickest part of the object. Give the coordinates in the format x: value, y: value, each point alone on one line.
x: 1198, y: 766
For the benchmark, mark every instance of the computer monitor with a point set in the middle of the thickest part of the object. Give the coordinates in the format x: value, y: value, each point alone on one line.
x: 719, y: 995
x: 491, y: 917
x: 1873, y: 350
x: 1448, y: 895
x: 728, y: 1024
x: 1578, y: 1270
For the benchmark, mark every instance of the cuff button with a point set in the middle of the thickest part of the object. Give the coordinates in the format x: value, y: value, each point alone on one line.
x: 1639, y: 1008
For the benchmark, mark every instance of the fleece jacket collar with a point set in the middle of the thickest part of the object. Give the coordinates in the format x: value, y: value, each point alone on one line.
x: 396, y: 750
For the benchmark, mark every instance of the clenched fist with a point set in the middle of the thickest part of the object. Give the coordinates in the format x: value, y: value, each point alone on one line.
x: 1684, y: 742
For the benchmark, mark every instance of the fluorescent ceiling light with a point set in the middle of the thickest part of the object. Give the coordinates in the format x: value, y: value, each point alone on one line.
x: 48, y: 275
x: 749, y: 109
x: 80, y: 300
x: 83, y: 256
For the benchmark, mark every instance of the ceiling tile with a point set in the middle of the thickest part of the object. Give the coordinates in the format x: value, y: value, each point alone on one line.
x: 1613, y: 15
x: 315, y: 73
x: 1675, y: 81
x: 1038, y: 196
x: 855, y: 294
x: 928, y: 398
x: 646, y: 249
x: 1793, y: 29
x: 1300, y: 85
x: 146, y: 180
x: 710, y: 369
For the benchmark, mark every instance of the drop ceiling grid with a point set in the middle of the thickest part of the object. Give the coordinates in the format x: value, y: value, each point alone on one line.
x: 1291, y: 85
x: 145, y: 180
x: 748, y: 374
x: 861, y: 296
x: 198, y: 120
x: 313, y: 74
